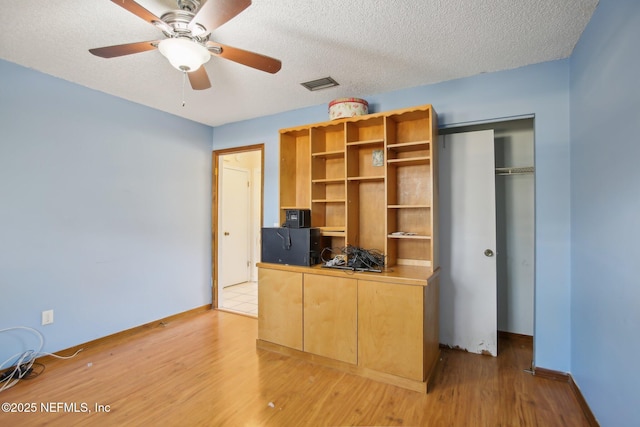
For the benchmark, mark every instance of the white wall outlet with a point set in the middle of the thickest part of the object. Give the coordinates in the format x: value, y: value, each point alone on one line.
x: 47, y: 317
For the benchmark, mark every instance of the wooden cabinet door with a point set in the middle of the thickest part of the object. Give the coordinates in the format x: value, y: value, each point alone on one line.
x: 280, y: 307
x: 330, y: 317
x: 390, y: 328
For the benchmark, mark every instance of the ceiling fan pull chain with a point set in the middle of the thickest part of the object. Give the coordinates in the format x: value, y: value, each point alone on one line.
x: 184, y: 82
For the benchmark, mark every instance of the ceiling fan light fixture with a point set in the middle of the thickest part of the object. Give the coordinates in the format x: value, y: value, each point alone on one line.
x: 184, y: 54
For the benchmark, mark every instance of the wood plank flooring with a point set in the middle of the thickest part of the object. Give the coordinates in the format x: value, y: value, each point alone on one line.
x: 205, y: 370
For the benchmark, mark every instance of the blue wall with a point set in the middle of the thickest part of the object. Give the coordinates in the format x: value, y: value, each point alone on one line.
x: 104, y: 212
x: 605, y: 219
x: 542, y: 90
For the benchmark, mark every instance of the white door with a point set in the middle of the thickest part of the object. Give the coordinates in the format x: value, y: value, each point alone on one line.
x: 468, y: 295
x: 233, y: 232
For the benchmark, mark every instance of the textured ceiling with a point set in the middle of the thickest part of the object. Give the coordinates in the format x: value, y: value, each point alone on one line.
x: 368, y: 46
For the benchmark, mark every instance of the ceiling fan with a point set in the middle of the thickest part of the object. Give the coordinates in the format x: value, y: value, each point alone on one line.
x: 186, y: 44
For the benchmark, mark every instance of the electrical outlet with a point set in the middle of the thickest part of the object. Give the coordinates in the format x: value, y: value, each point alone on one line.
x: 47, y: 317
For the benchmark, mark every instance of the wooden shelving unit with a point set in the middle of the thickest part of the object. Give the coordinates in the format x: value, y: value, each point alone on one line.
x: 368, y: 179
x: 370, y: 182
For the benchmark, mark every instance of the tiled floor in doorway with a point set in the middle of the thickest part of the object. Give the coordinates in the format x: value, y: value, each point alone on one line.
x: 242, y: 298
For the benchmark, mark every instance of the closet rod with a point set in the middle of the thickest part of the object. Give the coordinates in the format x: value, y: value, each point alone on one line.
x: 514, y: 171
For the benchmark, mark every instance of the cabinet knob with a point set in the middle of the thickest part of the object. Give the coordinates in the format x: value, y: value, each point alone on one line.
x: 488, y: 252
x: 226, y: 233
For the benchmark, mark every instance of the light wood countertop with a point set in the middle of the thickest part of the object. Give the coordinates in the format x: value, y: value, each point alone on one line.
x: 398, y: 274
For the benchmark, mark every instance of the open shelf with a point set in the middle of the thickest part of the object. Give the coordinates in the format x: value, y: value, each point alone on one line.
x: 328, y: 201
x: 333, y: 231
x: 409, y: 161
x: 329, y: 154
x: 366, y: 178
x: 379, y: 142
x: 409, y: 127
x: 408, y: 236
x: 366, y: 131
x: 328, y: 181
x: 409, y: 146
x: 408, y: 206
x: 328, y: 137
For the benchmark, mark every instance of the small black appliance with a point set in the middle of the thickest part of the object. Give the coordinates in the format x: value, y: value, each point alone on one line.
x: 297, y: 218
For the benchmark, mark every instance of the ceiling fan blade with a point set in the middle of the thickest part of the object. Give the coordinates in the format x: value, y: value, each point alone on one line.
x: 214, y: 13
x: 199, y: 79
x: 143, y: 13
x: 244, y: 57
x: 124, y: 49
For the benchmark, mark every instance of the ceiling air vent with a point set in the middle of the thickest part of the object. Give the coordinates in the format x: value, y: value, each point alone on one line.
x: 323, y: 83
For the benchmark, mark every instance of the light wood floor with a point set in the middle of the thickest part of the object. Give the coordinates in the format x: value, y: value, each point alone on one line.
x: 205, y: 370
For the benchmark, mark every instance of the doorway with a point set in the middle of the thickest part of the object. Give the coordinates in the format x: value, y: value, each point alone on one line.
x: 236, y: 220
x: 477, y: 308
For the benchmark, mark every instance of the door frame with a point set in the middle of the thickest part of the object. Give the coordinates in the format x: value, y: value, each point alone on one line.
x: 215, y: 190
